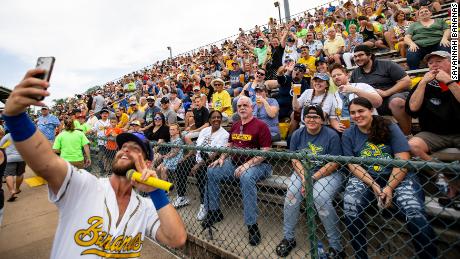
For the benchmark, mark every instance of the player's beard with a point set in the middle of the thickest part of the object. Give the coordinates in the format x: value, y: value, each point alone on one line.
x: 121, y: 170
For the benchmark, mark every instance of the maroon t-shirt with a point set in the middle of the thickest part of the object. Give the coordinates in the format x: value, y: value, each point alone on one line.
x: 252, y: 135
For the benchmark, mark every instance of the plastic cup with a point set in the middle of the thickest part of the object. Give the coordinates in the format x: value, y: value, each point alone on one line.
x: 296, y: 89
x: 345, y: 122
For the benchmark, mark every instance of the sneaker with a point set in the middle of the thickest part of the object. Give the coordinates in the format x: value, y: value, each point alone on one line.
x: 181, y: 201
x: 213, y: 216
x: 285, y: 247
x: 254, y: 235
x: 201, y: 213
x: 334, y: 254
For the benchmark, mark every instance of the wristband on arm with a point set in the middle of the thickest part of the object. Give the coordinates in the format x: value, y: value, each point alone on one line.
x: 20, y: 126
x: 159, y: 199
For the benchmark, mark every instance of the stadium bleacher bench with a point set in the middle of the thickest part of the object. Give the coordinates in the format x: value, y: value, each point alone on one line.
x: 279, y: 144
x: 447, y: 154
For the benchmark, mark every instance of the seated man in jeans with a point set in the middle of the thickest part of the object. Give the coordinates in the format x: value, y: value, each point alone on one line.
x: 247, y: 133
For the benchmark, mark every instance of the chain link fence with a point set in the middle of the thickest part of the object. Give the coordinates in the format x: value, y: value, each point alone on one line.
x: 337, y: 211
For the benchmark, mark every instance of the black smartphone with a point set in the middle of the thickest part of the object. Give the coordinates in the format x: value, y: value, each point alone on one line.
x: 246, y: 92
x: 47, y: 64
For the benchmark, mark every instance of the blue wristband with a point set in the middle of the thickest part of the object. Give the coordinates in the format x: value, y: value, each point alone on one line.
x: 20, y: 126
x: 159, y: 198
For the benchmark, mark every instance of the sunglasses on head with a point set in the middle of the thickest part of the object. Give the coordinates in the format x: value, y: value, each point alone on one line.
x: 299, y: 69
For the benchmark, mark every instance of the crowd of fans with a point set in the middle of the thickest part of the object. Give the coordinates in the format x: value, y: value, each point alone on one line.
x: 298, y: 72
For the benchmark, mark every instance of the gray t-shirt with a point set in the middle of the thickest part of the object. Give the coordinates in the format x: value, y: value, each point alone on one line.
x: 99, y: 101
x: 384, y: 74
x: 170, y: 116
x: 137, y: 115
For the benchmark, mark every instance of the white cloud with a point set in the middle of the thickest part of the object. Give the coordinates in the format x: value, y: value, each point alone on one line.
x: 93, y: 41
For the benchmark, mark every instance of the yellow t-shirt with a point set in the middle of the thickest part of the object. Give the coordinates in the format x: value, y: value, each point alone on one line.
x: 229, y: 63
x: 319, y: 28
x: 333, y: 46
x: 123, y: 120
x: 143, y: 108
x: 222, y: 100
x: 310, y: 64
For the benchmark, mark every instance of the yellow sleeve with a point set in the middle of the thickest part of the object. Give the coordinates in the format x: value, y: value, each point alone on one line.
x: 226, y: 100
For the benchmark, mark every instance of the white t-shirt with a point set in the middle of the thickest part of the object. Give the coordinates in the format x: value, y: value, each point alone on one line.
x: 305, y: 97
x: 291, y: 53
x: 88, y: 213
x: 208, y: 139
x: 100, y: 126
x: 338, y: 102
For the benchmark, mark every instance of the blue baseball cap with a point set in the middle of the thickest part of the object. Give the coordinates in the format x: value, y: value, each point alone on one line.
x: 322, y: 76
x: 140, y: 139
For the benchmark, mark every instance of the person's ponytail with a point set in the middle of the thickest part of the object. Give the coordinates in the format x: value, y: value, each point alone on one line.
x: 379, y: 133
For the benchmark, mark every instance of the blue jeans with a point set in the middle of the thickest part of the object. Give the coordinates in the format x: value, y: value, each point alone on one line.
x: 248, y: 181
x: 407, y: 198
x: 324, y: 191
x: 414, y: 58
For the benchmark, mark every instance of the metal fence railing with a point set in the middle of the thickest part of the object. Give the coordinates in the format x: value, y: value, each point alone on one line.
x: 338, y: 210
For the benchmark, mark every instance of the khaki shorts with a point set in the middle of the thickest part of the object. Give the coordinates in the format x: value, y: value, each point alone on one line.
x: 437, y: 142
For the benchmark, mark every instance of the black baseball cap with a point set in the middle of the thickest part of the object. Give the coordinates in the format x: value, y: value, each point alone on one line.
x: 140, y: 139
x: 301, y: 66
x: 104, y: 110
x: 320, y: 60
x: 314, y: 109
x: 164, y: 100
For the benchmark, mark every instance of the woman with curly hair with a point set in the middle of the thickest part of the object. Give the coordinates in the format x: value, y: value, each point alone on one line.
x: 372, y: 136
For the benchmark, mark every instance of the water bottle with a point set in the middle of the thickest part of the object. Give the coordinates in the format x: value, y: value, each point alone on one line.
x: 442, y: 184
x: 321, y: 253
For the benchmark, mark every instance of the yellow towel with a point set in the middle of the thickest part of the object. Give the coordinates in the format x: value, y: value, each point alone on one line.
x: 35, y: 181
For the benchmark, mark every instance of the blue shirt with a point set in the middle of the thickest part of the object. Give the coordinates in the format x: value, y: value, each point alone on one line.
x: 355, y: 143
x: 47, y: 125
x: 261, y: 114
x: 326, y: 142
x: 180, y: 93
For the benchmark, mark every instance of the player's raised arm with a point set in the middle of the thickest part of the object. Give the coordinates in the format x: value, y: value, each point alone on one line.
x: 30, y: 142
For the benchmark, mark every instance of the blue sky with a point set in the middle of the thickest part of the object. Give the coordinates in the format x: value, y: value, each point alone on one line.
x: 98, y: 41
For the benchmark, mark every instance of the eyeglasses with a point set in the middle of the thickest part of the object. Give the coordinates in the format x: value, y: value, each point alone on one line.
x: 260, y: 74
x: 157, y: 118
x: 313, y: 117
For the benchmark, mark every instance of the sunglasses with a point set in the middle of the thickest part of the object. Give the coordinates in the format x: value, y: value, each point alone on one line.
x: 259, y: 73
x: 157, y: 118
x: 299, y: 69
x: 216, y: 84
